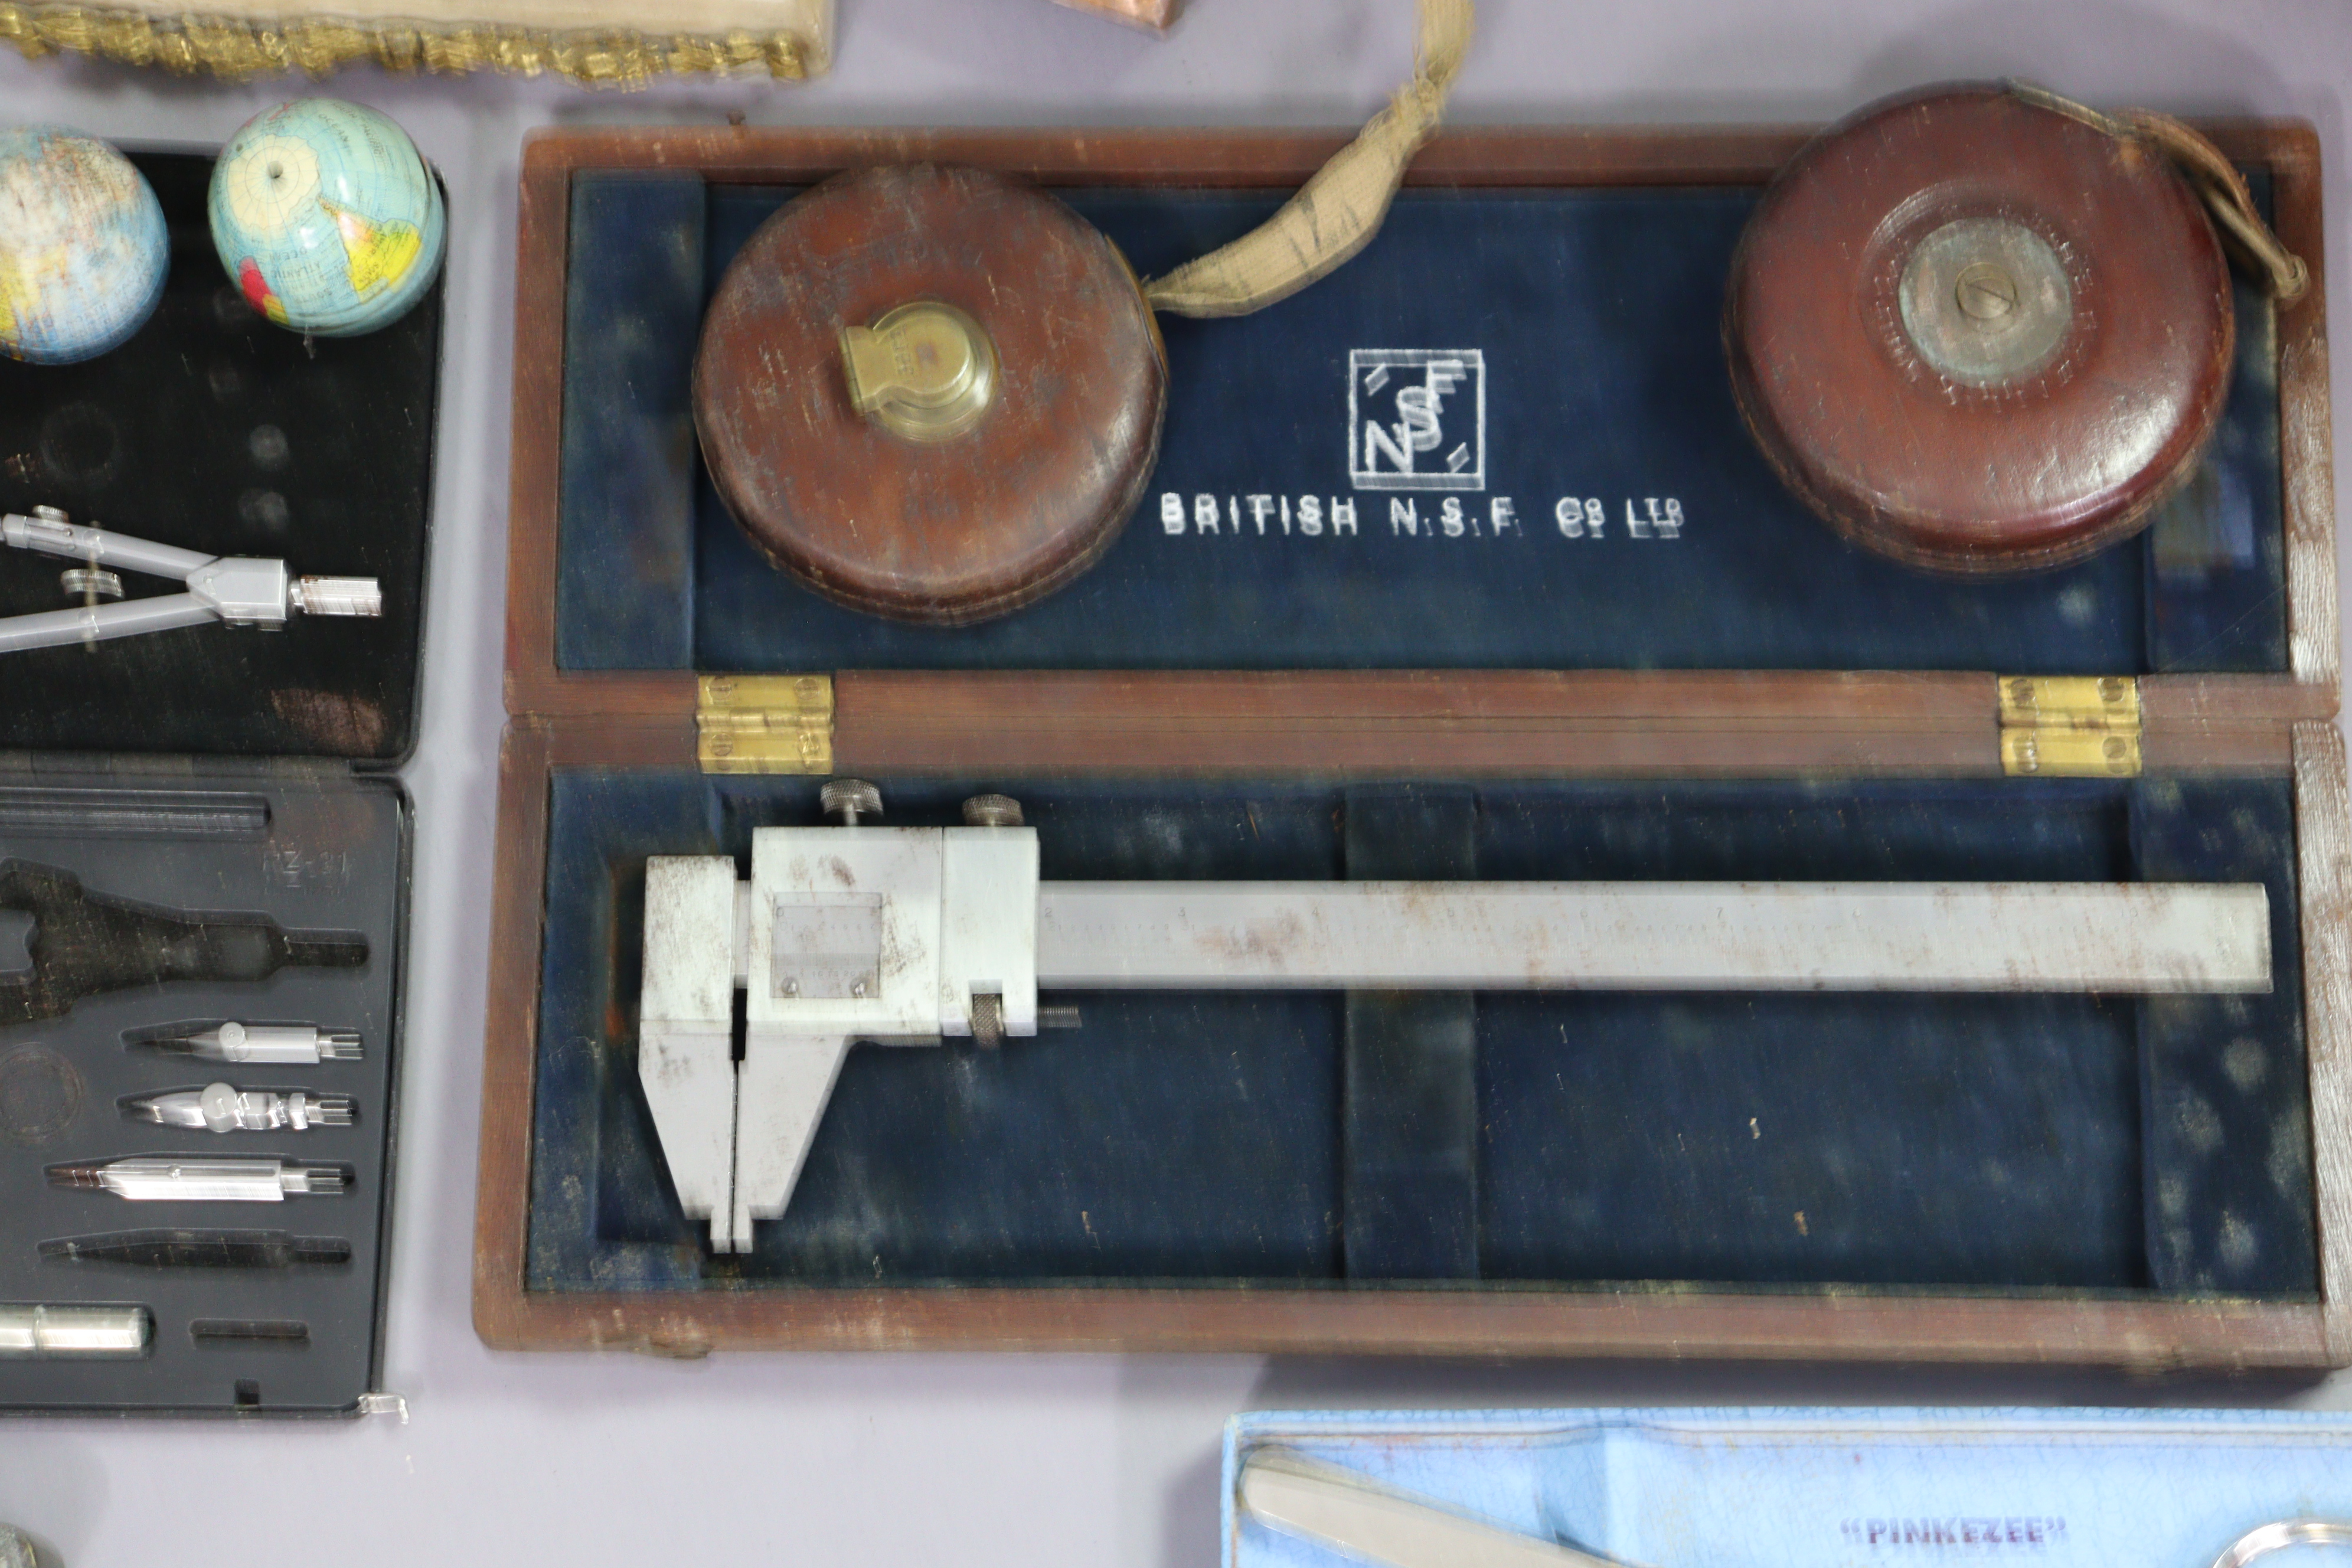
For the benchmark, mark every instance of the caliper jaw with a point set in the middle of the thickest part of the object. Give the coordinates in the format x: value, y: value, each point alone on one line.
x: 894, y: 936
x: 686, y: 1035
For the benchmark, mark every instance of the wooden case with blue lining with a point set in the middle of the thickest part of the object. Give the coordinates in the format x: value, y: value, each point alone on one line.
x: 1602, y: 644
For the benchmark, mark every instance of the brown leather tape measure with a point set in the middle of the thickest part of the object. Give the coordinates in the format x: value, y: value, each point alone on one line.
x: 935, y: 393
x: 929, y: 393
x: 1982, y: 329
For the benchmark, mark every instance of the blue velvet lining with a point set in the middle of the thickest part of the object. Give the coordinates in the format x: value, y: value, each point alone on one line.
x: 1984, y: 1142
x: 632, y: 309
x: 1597, y: 314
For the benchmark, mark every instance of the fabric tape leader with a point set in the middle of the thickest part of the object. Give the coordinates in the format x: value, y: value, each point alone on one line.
x: 1982, y: 329
x: 935, y: 393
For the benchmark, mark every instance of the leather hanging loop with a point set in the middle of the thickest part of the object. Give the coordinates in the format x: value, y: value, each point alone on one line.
x: 2208, y: 170
x: 1334, y: 214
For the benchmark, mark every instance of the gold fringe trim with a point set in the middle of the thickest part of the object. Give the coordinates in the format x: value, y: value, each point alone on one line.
x: 235, y: 48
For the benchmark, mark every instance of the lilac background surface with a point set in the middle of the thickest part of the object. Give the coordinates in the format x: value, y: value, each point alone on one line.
x: 977, y: 1460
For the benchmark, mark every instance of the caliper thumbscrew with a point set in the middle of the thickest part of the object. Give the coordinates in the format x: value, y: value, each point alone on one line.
x: 847, y: 800
x: 991, y: 811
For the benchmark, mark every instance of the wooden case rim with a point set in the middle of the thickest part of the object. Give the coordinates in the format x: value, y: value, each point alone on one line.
x: 1398, y: 721
x: 1444, y: 723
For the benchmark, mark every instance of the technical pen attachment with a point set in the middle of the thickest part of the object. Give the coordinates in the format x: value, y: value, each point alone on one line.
x: 221, y: 1108
x: 161, y: 1178
x: 271, y: 1045
x: 37, y: 1328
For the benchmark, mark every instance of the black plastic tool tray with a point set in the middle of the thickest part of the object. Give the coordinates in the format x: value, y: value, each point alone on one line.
x: 330, y: 857
x: 212, y: 429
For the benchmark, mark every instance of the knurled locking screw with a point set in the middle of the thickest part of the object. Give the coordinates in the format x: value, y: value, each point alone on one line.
x: 847, y: 800
x: 991, y: 811
x: 89, y: 583
x: 987, y: 1020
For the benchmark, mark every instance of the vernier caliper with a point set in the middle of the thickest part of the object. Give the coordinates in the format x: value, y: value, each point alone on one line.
x: 908, y: 936
x: 239, y: 590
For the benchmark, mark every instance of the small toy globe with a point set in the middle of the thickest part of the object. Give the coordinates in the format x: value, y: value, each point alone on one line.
x: 327, y: 217
x: 83, y: 250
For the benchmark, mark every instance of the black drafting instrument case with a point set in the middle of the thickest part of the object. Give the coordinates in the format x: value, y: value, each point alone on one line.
x: 220, y: 781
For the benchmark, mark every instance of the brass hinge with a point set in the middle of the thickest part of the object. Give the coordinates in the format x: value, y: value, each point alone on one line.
x: 2069, y: 726
x: 765, y: 724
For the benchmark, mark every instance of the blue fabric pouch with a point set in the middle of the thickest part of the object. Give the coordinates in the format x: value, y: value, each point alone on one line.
x: 1831, y: 1489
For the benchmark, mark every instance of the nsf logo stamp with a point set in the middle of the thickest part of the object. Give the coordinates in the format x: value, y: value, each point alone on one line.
x: 1417, y: 420
x: 1417, y: 424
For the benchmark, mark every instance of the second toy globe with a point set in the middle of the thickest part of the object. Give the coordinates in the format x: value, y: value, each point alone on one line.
x: 327, y: 218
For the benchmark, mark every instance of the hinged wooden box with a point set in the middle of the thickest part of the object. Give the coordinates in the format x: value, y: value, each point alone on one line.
x: 1608, y: 647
